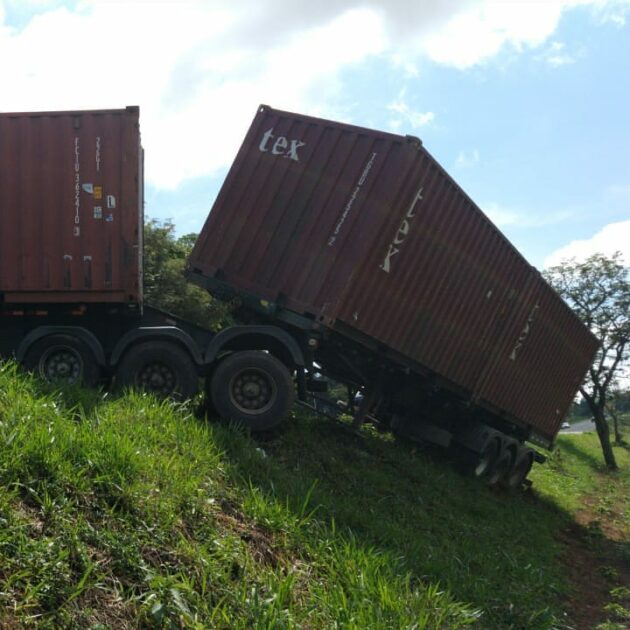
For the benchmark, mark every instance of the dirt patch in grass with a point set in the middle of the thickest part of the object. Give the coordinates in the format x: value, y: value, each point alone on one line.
x: 606, y: 516
x: 261, y: 543
x: 595, y: 565
x: 101, y: 608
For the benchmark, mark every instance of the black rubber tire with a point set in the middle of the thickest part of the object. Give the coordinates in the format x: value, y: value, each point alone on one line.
x: 486, y: 459
x: 63, y: 360
x: 158, y: 367
x: 517, y: 475
x: 208, y: 407
x: 254, y: 389
x: 501, y: 468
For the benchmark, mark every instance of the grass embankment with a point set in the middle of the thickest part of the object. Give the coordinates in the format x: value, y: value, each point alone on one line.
x: 596, y: 535
x: 128, y: 513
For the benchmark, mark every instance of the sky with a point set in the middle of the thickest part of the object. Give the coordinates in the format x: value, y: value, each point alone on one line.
x: 526, y: 103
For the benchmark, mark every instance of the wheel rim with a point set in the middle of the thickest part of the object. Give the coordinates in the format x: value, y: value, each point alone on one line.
x: 158, y: 378
x: 252, y: 391
x: 61, y: 364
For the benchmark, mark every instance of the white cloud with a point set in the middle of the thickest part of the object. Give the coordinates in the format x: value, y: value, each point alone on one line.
x: 611, y: 238
x: 557, y: 55
x: 613, y: 12
x: 510, y: 217
x: 480, y: 32
x: 199, y: 69
x: 467, y: 159
x: 405, y: 114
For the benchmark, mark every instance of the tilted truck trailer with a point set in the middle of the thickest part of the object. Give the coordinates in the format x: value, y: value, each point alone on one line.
x: 351, y: 252
x: 360, y: 242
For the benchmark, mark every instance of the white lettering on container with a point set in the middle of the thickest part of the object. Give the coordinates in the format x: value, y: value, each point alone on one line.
x: 524, y: 334
x: 98, y: 154
x: 401, y: 234
x: 355, y: 193
x: 77, y: 189
x: 282, y: 146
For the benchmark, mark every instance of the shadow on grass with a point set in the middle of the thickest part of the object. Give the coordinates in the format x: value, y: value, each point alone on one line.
x: 579, y: 453
x: 494, y: 551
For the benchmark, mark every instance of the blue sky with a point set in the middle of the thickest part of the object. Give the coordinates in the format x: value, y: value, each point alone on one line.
x: 525, y: 103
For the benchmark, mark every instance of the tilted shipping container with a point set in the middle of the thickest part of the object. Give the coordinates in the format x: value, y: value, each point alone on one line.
x: 365, y: 233
x: 71, y: 209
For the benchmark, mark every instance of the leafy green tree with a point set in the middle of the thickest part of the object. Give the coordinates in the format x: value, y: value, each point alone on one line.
x: 165, y: 286
x: 598, y: 290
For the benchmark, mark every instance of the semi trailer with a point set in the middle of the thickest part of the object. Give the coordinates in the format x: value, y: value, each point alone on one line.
x: 350, y: 253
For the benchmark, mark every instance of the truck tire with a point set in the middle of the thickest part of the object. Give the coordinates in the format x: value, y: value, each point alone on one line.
x: 485, y: 460
x: 254, y: 389
x: 158, y: 367
x: 501, y: 468
x: 514, y: 478
x: 62, y: 360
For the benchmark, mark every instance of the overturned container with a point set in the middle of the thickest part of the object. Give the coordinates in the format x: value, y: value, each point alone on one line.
x: 364, y: 234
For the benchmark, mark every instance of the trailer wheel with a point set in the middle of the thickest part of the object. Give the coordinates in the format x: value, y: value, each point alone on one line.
x: 62, y: 360
x: 486, y: 458
x: 160, y: 368
x: 501, y: 468
x: 515, y: 477
x: 253, y: 388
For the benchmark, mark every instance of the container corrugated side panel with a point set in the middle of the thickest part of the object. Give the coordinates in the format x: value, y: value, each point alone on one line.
x: 538, y: 376
x: 444, y: 296
x: 456, y: 299
x: 280, y: 228
x: 70, y: 206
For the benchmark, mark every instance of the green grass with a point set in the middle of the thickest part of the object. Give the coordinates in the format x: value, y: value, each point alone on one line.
x: 576, y: 469
x: 127, y: 512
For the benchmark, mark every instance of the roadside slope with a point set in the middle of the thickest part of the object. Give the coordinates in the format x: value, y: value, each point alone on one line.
x: 128, y: 512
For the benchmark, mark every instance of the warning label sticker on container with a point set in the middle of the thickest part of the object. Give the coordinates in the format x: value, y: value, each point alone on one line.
x: 98, y: 212
x: 98, y: 192
x: 88, y: 188
x: 109, y: 218
x: 111, y: 201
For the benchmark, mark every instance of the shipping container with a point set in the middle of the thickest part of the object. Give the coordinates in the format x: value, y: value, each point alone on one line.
x: 363, y: 233
x: 71, y: 212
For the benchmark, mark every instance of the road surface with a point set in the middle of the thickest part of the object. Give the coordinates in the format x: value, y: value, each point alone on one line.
x: 583, y: 426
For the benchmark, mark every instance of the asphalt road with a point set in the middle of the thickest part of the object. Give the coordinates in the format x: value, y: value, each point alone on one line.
x: 583, y: 426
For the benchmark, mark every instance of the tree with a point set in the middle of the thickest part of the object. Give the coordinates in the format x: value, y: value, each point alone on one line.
x: 614, y: 408
x: 165, y: 286
x: 598, y: 290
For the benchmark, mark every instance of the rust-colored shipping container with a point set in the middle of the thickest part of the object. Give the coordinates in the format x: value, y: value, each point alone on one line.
x: 366, y: 234
x: 71, y: 209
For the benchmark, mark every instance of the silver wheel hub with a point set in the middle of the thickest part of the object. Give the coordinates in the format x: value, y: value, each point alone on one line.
x: 252, y: 391
x: 61, y: 365
x: 157, y: 377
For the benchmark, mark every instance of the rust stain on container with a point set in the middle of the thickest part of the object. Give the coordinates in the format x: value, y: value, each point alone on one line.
x: 71, y: 211
x: 367, y: 234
